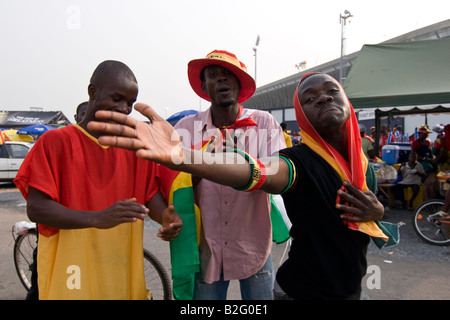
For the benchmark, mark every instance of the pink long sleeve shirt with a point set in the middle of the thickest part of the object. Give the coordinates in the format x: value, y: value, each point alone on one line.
x: 236, y: 233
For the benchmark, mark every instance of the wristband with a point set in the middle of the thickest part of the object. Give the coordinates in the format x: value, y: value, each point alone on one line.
x: 257, y: 172
x: 262, y: 177
x: 292, y: 173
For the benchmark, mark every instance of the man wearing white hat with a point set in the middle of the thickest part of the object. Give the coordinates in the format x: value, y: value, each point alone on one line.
x: 236, y: 234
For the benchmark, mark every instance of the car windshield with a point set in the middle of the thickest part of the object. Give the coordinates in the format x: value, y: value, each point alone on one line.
x: 16, y: 151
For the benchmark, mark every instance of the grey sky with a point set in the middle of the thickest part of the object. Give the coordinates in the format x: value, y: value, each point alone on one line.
x: 49, y: 48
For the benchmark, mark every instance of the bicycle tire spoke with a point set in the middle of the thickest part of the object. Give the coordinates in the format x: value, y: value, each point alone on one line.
x: 427, y: 226
x: 156, y: 278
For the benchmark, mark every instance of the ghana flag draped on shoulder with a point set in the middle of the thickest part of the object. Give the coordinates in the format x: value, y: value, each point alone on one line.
x: 178, y: 190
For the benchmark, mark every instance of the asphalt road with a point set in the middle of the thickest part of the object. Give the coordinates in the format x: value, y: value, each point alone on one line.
x: 411, y: 270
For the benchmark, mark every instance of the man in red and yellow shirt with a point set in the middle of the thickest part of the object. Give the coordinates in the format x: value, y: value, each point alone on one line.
x: 90, y: 200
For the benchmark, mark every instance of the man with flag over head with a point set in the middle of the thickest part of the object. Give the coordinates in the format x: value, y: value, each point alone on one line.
x: 233, y: 231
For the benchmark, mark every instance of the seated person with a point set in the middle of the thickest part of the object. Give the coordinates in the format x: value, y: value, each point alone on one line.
x: 412, y: 173
x: 422, y: 146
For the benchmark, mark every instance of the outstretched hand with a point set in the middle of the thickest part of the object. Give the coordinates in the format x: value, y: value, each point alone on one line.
x: 157, y: 141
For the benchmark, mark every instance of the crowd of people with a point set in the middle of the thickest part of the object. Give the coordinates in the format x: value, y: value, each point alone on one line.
x: 422, y: 163
x: 208, y: 182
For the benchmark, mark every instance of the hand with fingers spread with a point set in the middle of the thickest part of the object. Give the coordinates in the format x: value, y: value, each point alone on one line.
x: 363, y: 205
x: 157, y: 141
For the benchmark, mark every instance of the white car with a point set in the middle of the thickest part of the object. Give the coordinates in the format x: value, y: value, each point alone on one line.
x: 12, y: 154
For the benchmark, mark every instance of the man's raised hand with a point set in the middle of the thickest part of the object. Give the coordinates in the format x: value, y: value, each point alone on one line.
x: 157, y: 141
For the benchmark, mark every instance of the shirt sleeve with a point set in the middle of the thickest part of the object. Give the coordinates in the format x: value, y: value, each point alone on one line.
x: 41, y: 169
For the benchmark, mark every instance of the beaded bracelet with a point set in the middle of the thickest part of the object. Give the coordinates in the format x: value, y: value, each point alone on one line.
x: 258, y: 172
x: 292, y: 173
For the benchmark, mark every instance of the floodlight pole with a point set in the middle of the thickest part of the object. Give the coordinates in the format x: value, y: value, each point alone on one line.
x: 342, y: 21
x: 255, y: 49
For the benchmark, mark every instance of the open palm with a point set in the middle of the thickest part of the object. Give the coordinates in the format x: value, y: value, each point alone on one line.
x: 157, y: 141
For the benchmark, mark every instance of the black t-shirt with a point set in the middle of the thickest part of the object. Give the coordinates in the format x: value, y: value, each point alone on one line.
x: 327, y: 260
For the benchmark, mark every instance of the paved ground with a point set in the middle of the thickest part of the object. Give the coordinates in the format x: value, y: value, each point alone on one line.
x: 409, y: 271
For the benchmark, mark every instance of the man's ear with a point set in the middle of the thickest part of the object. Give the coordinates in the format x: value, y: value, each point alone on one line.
x: 204, y: 89
x: 92, y: 91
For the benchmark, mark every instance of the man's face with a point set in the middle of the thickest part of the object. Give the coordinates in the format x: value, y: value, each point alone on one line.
x: 115, y: 95
x: 324, y: 102
x: 221, y: 85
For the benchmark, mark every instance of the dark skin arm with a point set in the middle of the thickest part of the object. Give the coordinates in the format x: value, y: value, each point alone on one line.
x: 42, y: 209
x: 159, y: 142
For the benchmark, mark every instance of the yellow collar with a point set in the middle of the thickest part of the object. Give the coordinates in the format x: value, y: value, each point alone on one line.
x: 87, y: 134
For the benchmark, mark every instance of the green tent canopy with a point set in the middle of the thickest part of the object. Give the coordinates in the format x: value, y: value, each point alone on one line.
x: 400, y: 74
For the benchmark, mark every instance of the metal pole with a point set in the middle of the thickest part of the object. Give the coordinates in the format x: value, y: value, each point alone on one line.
x: 255, y: 49
x: 342, y: 51
x: 342, y: 21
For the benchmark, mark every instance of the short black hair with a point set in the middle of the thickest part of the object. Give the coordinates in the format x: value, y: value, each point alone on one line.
x: 309, y: 75
x: 111, y: 69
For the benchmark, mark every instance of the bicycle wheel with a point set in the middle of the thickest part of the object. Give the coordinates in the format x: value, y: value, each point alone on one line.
x: 428, y: 229
x: 156, y: 278
x: 24, y: 246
